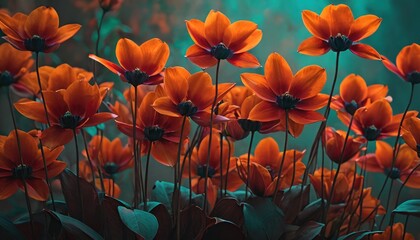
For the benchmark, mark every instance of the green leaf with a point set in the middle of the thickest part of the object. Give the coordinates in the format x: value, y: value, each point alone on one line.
x: 263, y: 219
x: 141, y: 222
x: 309, y: 230
x: 410, y: 207
x: 8, y: 230
x: 75, y: 227
x: 358, y: 235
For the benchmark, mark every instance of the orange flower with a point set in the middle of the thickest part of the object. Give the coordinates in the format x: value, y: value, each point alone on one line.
x: 408, y: 64
x: 337, y: 30
x: 217, y: 39
x: 36, y: 32
x: 28, y: 84
x: 376, y: 121
x: 161, y: 131
x: 68, y: 109
x: 139, y: 64
x: 281, y: 91
x: 189, y: 95
x: 111, y: 156
x: 333, y: 141
x: 13, y: 64
x: 342, y: 187
x: 31, y: 168
x: 411, y: 133
x: 397, y: 233
x: 266, y: 164
x: 198, y: 168
x: 354, y: 93
x: 381, y: 161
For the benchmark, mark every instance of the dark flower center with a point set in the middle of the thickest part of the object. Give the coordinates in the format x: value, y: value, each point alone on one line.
x: 418, y: 150
x: 201, y: 171
x: 371, y: 133
x: 351, y: 107
x: 220, y: 52
x: 22, y: 172
x: 287, y: 101
x: 111, y: 168
x: 136, y: 77
x: 153, y: 133
x: 35, y: 43
x: 249, y: 125
x: 413, y: 77
x: 6, y: 79
x: 70, y: 121
x: 339, y: 43
x: 187, y: 108
x: 394, y: 173
x: 271, y: 171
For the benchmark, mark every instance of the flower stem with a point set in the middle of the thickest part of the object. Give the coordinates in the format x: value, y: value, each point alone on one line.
x: 249, y: 163
x: 177, y: 191
x: 78, y: 173
x: 387, y: 202
x: 228, y: 164
x: 40, y: 88
x: 98, y: 32
x: 221, y: 165
x: 47, y: 179
x: 91, y: 164
x: 136, y: 160
x: 286, y: 132
x: 211, y: 135
x: 146, y: 177
x: 314, y: 148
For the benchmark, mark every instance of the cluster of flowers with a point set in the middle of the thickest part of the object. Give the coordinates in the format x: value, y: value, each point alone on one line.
x: 162, y: 102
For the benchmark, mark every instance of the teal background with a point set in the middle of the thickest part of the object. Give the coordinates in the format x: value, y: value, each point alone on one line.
x: 283, y: 31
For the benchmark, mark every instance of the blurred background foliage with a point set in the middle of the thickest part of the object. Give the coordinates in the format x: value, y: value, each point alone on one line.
x: 282, y: 28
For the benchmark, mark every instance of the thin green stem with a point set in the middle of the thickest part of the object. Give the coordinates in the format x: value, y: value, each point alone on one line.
x: 98, y: 33
x: 146, y: 178
x: 136, y: 160
x: 47, y: 179
x: 248, y: 161
x: 40, y: 88
x: 221, y: 165
x: 92, y: 169
x: 286, y: 132
x: 228, y: 164
x: 211, y: 135
x: 177, y: 191
x: 314, y: 148
x: 387, y: 202
x: 78, y: 173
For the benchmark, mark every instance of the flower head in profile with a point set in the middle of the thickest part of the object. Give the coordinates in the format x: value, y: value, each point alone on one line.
x: 218, y: 39
x: 398, y: 233
x: 337, y: 30
x: 13, y: 168
x: 139, y: 64
x: 411, y: 133
x: 68, y: 109
x: 280, y: 91
x: 110, y: 5
x: 36, y: 32
x: 13, y: 64
x: 408, y: 63
x: 333, y: 142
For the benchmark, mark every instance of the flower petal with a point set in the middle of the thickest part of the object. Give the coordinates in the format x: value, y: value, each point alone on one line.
x: 37, y: 189
x: 43, y: 22
x: 64, y: 32
x: 238, y: 32
x: 165, y: 106
x: 215, y: 26
x: 200, y: 90
x: 408, y: 59
x: 384, y: 154
x: 365, y: 51
x: 353, y: 88
x: 176, y: 83
x: 308, y: 82
x: 267, y: 153
x: 313, y: 103
x: 278, y: 73
x: 266, y: 112
x: 363, y: 27
x: 8, y: 187
x: 305, y: 117
x: 153, y: 55
x: 108, y: 64
x: 316, y: 25
x: 82, y: 98
x: 196, y: 30
x: 32, y: 110
x: 98, y: 118
x: 200, y: 57
x: 128, y: 54
x: 313, y: 47
x: 55, y: 136
x: 339, y: 17
x: 258, y: 84
x: 244, y: 60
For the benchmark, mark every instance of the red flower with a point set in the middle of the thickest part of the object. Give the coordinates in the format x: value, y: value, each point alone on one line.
x: 408, y: 64
x: 31, y: 168
x: 68, y: 109
x: 36, y: 32
x: 217, y: 39
x: 281, y: 91
x: 139, y: 64
x: 337, y: 30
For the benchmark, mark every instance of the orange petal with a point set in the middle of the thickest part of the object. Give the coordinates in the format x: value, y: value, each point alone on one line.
x: 249, y: 43
x: 408, y: 59
x: 10, y: 27
x: 65, y: 32
x: 82, y: 98
x: 165, y: 106
x: 365, y: 51
x: 236, y: 34
x: 391, y: 67
x: 278, y: 73
x: 370, y: 163
x: 43, y: 22
x: 308, y: 82
x: 378, y: 114
x: 200, y: 90
x: 98, y: 118
x: 165, y: 152
x: 30, y: 151
x: 55, y: 168
x: 313, y: 103
x: 153, y: 56
x: 305, y: 117
x: 56, y: 106
x: 128, y: 54
x: 110, y: 65
x: 353, y: 88
x: 55, y: 136
x: 266, y: 112
x: 363, y: 27
x: 339, y: 17
x: 215, y: 26
x: 8, y: 186
x: 32, y: 110
x: 244, y: 60
x: 258, y: 84
x: 196, y: 30
x: 200, y: 57
x: 176, y: 84
x: 316, y: 25
x: 384, y: 154
x: 37, y: 189
x: 267, y: 152
x: 313, y: 46
x: 412, y: 182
